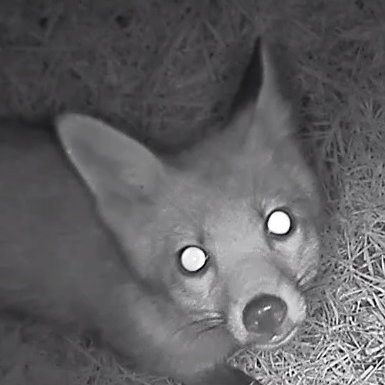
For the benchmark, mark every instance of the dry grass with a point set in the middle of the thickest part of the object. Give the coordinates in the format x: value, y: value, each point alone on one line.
x: 166, y: 71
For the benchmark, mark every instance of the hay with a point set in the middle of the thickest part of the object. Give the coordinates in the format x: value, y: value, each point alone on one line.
x: 165, y: 71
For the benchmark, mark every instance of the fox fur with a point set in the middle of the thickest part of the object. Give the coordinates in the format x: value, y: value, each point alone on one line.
x: 92, y: 224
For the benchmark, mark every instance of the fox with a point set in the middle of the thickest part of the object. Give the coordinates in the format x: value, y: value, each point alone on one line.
x: 173, y: 260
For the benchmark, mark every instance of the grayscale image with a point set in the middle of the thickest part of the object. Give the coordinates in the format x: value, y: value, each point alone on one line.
x: 192, y: 192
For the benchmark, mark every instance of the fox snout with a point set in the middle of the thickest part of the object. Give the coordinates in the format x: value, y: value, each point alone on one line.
x: 269, y: 318
x: 264, y: 314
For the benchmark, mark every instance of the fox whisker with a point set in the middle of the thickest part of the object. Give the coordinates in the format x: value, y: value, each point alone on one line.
x: 206, y: 321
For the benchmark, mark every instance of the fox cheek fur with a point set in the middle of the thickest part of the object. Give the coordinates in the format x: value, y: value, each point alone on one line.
x: 210, y: 248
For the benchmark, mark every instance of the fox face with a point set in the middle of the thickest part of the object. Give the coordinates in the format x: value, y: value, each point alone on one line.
x: 221, y: 236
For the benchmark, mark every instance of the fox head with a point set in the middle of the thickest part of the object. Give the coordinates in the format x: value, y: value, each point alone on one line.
x: 225, y: 231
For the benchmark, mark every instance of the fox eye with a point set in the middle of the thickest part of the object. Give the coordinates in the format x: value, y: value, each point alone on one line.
x: 279, y: 222
x: 192, y: 259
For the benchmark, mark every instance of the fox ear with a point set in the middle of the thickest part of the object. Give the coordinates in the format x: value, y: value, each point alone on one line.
x: 107, y: 160
x: 259, y: 96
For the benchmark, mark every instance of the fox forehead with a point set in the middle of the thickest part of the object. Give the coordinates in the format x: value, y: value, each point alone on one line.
x: 234, y: 184
x: 224, y: 205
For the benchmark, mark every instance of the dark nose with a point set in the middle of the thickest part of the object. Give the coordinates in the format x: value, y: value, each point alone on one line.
x: 264, y: 314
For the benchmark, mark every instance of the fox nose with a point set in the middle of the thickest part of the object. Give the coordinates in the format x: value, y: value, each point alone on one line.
x: 264, y: 314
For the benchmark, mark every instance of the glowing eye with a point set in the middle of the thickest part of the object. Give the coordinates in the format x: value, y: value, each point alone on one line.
x: 193, y: 259
x: 279, y: 222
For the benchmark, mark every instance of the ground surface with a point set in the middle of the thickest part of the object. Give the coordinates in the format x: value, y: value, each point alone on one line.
x: 165, y: 70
